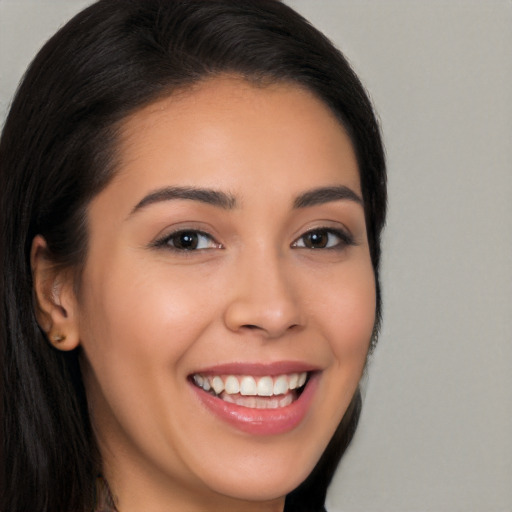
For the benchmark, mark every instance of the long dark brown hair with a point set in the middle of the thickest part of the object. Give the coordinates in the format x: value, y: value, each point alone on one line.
x: 58, y: 150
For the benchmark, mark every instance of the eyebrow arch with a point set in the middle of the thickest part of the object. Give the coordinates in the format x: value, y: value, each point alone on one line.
x: 203, y: 195
x: 326, y: 195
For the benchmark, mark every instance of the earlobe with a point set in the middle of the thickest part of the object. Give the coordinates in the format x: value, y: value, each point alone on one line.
x: 54, y: 298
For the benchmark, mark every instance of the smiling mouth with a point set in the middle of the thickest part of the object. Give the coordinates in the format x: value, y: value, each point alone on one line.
x: 266, y: 392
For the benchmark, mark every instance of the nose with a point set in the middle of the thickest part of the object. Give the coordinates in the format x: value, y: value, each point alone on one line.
x: 263, y: 299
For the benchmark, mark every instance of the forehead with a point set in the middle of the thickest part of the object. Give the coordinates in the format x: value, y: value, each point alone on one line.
x: 227, y: 126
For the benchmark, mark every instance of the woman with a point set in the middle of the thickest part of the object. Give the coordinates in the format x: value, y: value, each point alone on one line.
x: 192, y: 198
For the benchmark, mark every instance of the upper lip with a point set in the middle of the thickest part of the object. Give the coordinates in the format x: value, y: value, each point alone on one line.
x: 257, y: 369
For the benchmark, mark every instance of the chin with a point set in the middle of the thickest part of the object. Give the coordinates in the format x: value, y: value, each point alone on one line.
x: 260, y: 488
x: 264, y: 477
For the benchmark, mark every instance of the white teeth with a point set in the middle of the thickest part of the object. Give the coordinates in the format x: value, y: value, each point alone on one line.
x: 228, y: 398
x: 281, y: 385
x: 265, y: 386
x: 255, y: 402
x: 293, y: 382
x: 232, y: 386
x: 218, y: 385
x: 248, y: 386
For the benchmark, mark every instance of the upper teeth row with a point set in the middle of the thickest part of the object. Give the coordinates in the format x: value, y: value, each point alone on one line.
x: 251, y: 386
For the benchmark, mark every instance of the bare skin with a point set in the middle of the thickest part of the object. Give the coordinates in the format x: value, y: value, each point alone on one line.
x: 237, y: 260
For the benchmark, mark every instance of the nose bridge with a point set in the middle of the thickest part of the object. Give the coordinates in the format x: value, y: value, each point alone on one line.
x: 264, y: 297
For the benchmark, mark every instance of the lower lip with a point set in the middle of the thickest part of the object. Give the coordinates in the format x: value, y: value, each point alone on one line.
x: 263, y: 422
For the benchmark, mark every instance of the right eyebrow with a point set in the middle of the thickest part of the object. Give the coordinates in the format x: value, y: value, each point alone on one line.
x: 203, y: 195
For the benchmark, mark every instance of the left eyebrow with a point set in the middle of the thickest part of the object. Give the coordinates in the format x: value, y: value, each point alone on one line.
x: 323, y: 195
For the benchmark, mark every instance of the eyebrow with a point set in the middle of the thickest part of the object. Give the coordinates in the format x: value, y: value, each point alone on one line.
x: 323, y: 195
x: 227, y: 201
x: 204, y: 195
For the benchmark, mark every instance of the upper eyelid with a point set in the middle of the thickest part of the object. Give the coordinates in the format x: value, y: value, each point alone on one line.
x: 187, y: 226
x: 163, y: 239
x: 341, y: 231
x: 344, y: 234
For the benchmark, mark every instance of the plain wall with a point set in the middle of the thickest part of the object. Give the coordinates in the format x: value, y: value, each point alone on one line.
x: 436, y: 429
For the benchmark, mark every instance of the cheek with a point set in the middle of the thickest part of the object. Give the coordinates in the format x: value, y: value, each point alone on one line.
x: 136, y: 312
x: 136, y: 329
x: 348, y: 324
x: 347, y: 314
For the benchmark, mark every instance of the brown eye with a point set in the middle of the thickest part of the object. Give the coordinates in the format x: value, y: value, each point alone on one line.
x: 186, y: 240
x: 316, y: 240
x: 189, y: 240
x: 324, y: 239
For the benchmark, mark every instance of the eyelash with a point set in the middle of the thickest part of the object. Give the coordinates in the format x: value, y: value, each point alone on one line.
x: 344, y: 240
x: 165, y: 241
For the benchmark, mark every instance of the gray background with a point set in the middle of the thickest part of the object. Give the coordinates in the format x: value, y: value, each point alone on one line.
x: 436, y: 430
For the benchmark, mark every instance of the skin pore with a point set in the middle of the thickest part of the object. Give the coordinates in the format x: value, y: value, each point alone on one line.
x: 232, y: 241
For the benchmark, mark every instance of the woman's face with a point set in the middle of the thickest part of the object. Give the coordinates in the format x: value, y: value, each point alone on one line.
x: 229, y: 252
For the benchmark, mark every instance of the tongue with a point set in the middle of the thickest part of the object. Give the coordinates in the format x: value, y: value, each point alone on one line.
x: 260, y: 402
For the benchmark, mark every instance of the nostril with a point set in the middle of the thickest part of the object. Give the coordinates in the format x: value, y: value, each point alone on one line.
x: 260, y: 316
x: 254, y: 327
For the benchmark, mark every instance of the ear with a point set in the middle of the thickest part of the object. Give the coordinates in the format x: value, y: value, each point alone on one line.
x: 54, y: 297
